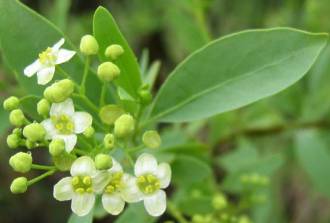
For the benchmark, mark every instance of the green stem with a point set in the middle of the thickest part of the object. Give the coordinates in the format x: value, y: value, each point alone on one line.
x: 198, y: 11
x: 42, y: 167
x: 80, y: 152
x: 88, y: 102
x: 84, y: 79
x: 41, y: 177
x: 176, y: 213
x: 103, y: 94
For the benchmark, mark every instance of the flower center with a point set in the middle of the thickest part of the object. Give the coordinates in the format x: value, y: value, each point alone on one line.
x: 47, y: 57
x: 63, y: 124
x: 115, y: 184
x: 148, y: 184
x: 82, y: 184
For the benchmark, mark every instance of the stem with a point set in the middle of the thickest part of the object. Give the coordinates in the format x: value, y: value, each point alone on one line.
x: 198, y: 11
x: 176, y: 213
x: 80, y: 152
x: 41, y: 177
x: 84, y: 79
x: 42, y: 167
x: 88, y: 102
x: 103, y: 94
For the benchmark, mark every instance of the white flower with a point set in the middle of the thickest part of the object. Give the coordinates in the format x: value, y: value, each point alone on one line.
x: 114, y: 197
x: 150, y: 179
x: 64, y: 123
x: 44, y: 66
x: 81, y: 188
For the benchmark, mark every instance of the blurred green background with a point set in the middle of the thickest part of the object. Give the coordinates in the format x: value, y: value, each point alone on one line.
x: 285, y: 137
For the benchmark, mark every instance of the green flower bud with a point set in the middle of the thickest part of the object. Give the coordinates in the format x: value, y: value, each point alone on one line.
x: 13, y: 141
x: 17, y: 131
x: 19, y: 185
x: 11, y: 103
x: 103, y: 162
x: 17, y: 118
x: 43, y: 107
x: 64, y: 161
x: 59, y: 91
x: 21, y: 162
x: 109, y: 141
x: 56, y: 147
x: 89, y: 45
x: 108, y: 71
x: 124, y: 126
x: 219, y: 202
x: 30, y: 145
x: 145, y: 96
x: 114, y: 51
x: 244, y: 219
x: 34, y: 132
x: 151, y: 139
x: 89, y: 132
x: 110, y: 113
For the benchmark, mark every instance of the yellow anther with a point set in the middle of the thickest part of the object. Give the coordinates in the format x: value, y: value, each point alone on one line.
x: 89, y: 190
x: 75, y: 181
x: 151, y: 178
x: 47, y: 57
x: 87, y: 180
x: 80, y: 190
x: 141, y: 179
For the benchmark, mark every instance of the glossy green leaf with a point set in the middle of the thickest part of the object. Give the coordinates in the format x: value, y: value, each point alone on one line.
x: 136, y: 212
x: 236, y: 70
x: 107, y: 32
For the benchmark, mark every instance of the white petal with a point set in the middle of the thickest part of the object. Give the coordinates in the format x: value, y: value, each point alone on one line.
x: 69, y: 140
x: 58, y: 45
x: 64, y: 55
x: 63, y: 190
x: 116, y: 167
x: 145, y: 164
x: 83, y: 203
x: 45, y: 75
x: 156, y: 203
x: 113, y: 204
x: 64, y: 108
x: 81, y: 120
x: 131, y: 192
x: 100, y: 180
x: 50, y: 128
x: 32, y: 68
x: 83, y: 166
x: 164, y: 174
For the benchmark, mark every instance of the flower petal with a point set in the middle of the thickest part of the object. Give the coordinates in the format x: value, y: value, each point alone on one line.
x: 33, y: 68
x: 58, y: 45
x: 69, y: 140
x: 100, y: 180
x: 145, y: 164
x: 50, y: 128
x: 113, y: 204
x: 64, y: 55
x: 63, y: 190
x: 116, y: 167
x: 83, y: 166
x: 64, y: 108
x: 83, y: 203
x: 131, y: 192
x: 82, y: 120
x: 164, y: 174
x: 156, y: 203
x: 45, y: 75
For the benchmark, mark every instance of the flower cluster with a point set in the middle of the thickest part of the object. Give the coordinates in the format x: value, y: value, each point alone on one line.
x: 76, y: 144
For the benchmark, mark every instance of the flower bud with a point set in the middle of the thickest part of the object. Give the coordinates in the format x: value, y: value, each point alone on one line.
x: 124, y: 126
x: 19, y: 185
x: 108, y: 71
x: 145, y: 96
x: 17, y: 131
x: 30, y: 145
x: 21, y: 162
x: 103, y: 162
x: 244, y: 219
x: 43, y: 107
x: 11, y: 103
x: 89, y: 45
x: 219, y: 202
x: 89, y: 132
x: 17, y: 118
x: 114, y: 51
x: 151, y: 139
x: 56, y: 147
x: 64, y: 161
x: 34, y: 132
x: 13, y: 141
x: 109, y: 141
x: 110, y: 113
x: 59, y: 91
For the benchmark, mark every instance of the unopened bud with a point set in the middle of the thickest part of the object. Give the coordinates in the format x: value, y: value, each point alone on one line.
x: 103, y: 162
x: 59, y: 91
x: 21, y: 162
x: 34, y: 132
x: 19, y: 185
x: 151, y: 139
x: 124, y: 126
x: 110, y: 113
x: 219, y: 202
x: 109, y: 141
x: 17, y: 118
x: 145, y: 96
x: 56, y: 147
x: 89, y: 132
x: 64, y: 161
x: 108, y: 71
x: 43, y: 107
x: 13, y: 141
x: 89, y: 45
x: 11, y: 103
x: 114, y: 51
x: 30, y: 145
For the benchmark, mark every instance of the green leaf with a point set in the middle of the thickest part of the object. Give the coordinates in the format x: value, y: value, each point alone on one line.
x: 107, y: 32
x: 136, y: 213
x: 236, y: 70
x: 85, y: 219
x: 314, y: 157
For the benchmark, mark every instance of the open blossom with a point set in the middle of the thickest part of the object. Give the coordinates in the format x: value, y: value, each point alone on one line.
x: 82, y: 187
x: 64, y: 123
x: 149, y: 183
x: 44, y: 66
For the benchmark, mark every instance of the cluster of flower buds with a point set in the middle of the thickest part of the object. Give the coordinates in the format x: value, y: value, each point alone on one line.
x: 74, y: 145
